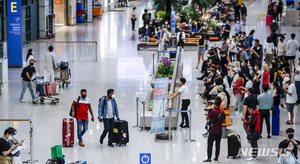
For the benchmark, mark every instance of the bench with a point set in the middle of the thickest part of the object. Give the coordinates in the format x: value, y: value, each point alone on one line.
x: 145, y: 45
x: 227, y: 111
x: 224, y: 126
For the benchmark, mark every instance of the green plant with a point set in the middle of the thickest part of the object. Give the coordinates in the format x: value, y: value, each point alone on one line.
x: 165, y: 69
x: 161, y: 14
x: 210, y: 24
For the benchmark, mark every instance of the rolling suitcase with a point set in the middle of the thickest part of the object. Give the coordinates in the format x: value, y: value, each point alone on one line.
x: 234, y: 145
x: 269, y: 19
x: 40, y: 89
x: 120, y: 133
x: 68, y: 132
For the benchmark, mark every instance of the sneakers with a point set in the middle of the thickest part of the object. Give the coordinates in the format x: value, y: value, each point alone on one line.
x: 207, y: 160
x: 251, y: 159
x: 111, y: 145
x: 101, y: 140
x: 216, y: 159
x: 269, y: 136
x: 22, y: 101
x: 81, y: 144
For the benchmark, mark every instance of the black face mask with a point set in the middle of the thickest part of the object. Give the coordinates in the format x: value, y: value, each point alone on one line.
x: 291, y: 136
x: 83, y: 96
x: 31, y: 64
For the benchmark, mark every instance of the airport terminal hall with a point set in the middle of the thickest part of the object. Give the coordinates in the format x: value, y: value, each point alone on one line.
x: 149, y: 81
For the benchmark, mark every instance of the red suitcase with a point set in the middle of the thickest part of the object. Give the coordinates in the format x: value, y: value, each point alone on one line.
x: 68, y: 132
x: 269, y: 19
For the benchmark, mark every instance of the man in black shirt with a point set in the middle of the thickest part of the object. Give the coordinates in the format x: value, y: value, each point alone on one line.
x: 249, y: 102
x: 226, y: 29
x: 27, y: 78
x: 5, y: 148
x: 290, y: 134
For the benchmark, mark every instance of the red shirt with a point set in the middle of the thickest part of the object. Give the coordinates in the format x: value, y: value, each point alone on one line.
x: 265, y: 78
x: 217, y: 122
x: 82, y: 108
x: 237, y: 84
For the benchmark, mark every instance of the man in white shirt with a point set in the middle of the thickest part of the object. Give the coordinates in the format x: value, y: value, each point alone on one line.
x: 180, y: 38
x: 281, y: 47
x: 291, y: 98
x: 50, y: 62
x: 292, y: 47
x: 133, y: 18
x: 185, y: 96
x: 297, y: 81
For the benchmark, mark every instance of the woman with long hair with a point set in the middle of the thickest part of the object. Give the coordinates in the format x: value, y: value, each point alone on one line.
x: 29, y: 56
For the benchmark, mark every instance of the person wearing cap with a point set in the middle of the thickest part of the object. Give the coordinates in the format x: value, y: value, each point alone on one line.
x: 297, y: 81
x: 216, y: 117
x: 291, y: 98
x: 290, y: 138
x: 5, y: 148
x: 265, y: 102
x: 185, y: 96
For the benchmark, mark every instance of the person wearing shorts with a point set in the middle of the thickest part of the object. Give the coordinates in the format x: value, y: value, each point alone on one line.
x: 292, y: 47
x: 291, y: 98
x: 201, y: 49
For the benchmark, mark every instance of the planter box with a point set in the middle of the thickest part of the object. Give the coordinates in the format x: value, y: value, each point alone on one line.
x: 179, y: 75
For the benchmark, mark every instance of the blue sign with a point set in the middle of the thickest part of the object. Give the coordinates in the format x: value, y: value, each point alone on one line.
x: 173, y: 21
x: 145, y: 158
x: 14, y: 33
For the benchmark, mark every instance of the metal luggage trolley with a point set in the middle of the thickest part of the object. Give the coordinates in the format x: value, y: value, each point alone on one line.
x: 63, y: 73
x: 37, y: 82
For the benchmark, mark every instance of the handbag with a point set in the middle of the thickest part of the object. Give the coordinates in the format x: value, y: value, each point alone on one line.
x: 208, y: 125
x: 75, y: 106
x: 253, y: 136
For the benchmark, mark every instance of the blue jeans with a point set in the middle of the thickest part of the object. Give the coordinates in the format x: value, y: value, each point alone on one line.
x: 80, y: 131
x: 297, y: 84
x: 25, y: 85
x: 146, y: 39
x: 108, y: 127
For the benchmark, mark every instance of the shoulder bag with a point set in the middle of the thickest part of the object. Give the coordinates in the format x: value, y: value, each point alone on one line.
x: 75, y: 106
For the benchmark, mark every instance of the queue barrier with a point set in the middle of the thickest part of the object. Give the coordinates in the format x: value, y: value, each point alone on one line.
x: 137, y: 113
x: 190, y: 129
x: 31, y: 161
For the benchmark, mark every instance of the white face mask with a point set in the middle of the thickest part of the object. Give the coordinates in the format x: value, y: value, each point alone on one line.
x: 9, y: 137
x: 113, y: 96
x: 32, y: 53
x: 258, y: 48
x: 240, y: 49
x: 15, y: 136
x: 273, y: 21
x: 200, y: 37
x: 270, y: 67
x: 146, y: 27
x: 166, y: 22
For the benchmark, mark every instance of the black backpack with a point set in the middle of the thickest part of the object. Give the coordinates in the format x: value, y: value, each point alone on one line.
x: 23, y: 74
x: 104, y: 102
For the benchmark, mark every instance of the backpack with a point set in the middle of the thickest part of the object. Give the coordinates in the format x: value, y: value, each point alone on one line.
x: 104, y: 102
x: 23, y: 74
x: 147, y: 18
x: 228, y: 98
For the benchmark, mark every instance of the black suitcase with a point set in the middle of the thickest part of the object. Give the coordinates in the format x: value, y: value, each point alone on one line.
x: 234, y: 145
x: 120, y: 133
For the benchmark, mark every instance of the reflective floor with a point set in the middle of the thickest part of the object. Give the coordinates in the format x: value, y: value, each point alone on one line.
x: 122, y: 68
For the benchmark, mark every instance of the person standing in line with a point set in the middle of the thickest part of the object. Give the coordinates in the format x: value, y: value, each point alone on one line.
x: 291, y: 98
x: 254, y: 129
x: 238, y: 88
x: 297, y: 81
x: 281, y: 48
x: 82, y: 116
x: 244, y: 13
x: 269, y: 50
x: 249, y: 102
x: 133, y: 18
x: 290, y: 133
x: 146, y: 17
x: 250, y: 37
x: 276, y: 112
x: 27, y: 74
x: 280, y: 9
x: 107, y: 110
x: 185, y: 102
x: 50, y: 63
x: 238, y: 26
x: 29, y: 57
x: 292, y: 47
x: 266, y: 74
x: 265, y: 102
x: 237, y: 12
x: 5, y: 148
x: 181, y: 38
x: 201, y: 49
x: 216, y: 117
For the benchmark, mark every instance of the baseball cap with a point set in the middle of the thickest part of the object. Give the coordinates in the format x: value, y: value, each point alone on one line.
x: 286, y: 79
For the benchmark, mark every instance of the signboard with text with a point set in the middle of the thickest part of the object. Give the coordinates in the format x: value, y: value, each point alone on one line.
x: 159, y: 107
x: 14, y: 33
x: 173, y: 23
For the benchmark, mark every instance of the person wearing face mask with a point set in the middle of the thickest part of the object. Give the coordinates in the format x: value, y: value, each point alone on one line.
x: 146, y: 34
x: 29, y: 57
x: 281, y: 48
x: 106, y: 112
x: 274, y: 26
x: 181, y: 38
x: 5, y: 148
x: 287, y: 157
x: 244, y: 13
x: 238, y: 26
x: 27, y: 74
x: 257, y: 53
x: 290, y: 138
x: 269, y: 51
x: 50, y: 63
x: 166, y: 25
x: 146, y: 17
x: 83, y: 105
x: 16, y: 156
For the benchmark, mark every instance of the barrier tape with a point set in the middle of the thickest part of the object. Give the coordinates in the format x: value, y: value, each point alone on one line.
x: 180, y: 111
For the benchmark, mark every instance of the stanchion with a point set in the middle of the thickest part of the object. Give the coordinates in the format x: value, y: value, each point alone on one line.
x: 144, y: 119
x: 137, y: 113
x: 169, y: 130
x: 190, y: 129
x: 153, y: 64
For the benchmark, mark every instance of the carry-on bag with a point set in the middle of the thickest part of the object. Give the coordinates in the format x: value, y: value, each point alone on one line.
x: 234, y: 145
x: 120, y: 132
x: 269, y: 19
x: 68, y: 132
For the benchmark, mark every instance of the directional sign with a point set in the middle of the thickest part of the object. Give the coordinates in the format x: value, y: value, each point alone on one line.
x: 145, y: 158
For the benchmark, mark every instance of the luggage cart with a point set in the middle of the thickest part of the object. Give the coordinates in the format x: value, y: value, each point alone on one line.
x: 63, y: 74
x: 40, y: 95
